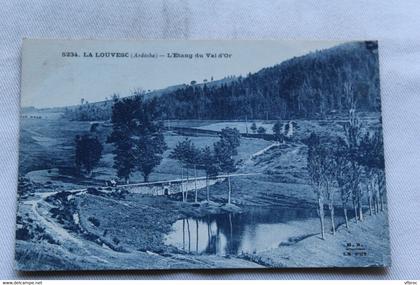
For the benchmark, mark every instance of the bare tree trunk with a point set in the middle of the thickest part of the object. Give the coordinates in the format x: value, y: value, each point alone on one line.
x: 331, y: 206
x: 382, y: 202
x: 373, y: 204
x: 321, y: 216
x: 345, y: 216
x: 196, y: 236
x: 217, y: 239
x: 230, y: 241
x: 360, y: 210
x: 195, y: 183
x: 355, y: 212
x: 182, y: 184
x: 208, y: 233
x: 186, y: 190
x: 183, y: 234
x: 230, y: 189
x: 371, y: 187
x: 207, y: 189
x: 189, y: 236
x: 230, y: 226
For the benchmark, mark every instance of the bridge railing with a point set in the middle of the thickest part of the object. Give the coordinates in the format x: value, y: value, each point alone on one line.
x: 174, y: 186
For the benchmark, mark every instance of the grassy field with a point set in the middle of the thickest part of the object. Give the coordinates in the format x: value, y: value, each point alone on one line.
x: 49, y: 143
x: 241, y: 126
x: 303, y: 128
x: 129, y: 229
x: 106, y: 231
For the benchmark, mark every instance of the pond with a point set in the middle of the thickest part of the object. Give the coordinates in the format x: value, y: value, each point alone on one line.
x: 254, y: 230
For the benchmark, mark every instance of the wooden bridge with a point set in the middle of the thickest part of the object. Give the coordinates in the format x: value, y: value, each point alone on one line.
x: 169, y: 187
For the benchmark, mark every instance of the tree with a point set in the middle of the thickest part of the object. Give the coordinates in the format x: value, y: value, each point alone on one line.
x: 224, y: 150
x: 325, y: 172
x: 188, y: 155
x: 254, y: 127
x: 232, y: 138
x: 124, y: 157
x: 123, y: 128
x: 278, y: 131
x: 137, y: 135
x: 115, y: 97
x: 88, y: 153
x: 225, y: 161
x: 370, y: 155
x: 261, y: 130
x: 148, y: 151
x: 330, y: 172
x: 286, y: 129
x: 344, y: 176
x: 353, y: 133
x: 381, y: 188
x: 315, y: 169
x: 208, y: 162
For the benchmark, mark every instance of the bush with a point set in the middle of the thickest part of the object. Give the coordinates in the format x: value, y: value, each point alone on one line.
x: 23, y: 234
x: 94, y: 221
x: 261, y: 130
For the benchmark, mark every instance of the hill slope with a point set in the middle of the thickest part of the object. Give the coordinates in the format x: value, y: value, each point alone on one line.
x: 303, y: 87
x: 309, y: 86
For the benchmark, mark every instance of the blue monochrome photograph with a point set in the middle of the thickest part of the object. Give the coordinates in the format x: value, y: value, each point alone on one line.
x: 200, y: 154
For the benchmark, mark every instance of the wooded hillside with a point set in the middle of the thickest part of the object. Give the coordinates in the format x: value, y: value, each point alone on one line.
x: 309, y: 86
x: 312, y: 85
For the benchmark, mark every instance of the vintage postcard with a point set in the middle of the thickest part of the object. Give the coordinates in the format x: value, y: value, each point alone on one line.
x: 200, y: 154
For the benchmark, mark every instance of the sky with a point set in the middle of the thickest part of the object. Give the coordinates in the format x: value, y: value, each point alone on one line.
x: 53, y: 79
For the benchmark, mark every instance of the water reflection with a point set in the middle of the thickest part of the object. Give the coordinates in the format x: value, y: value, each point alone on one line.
x: 257, y: 229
